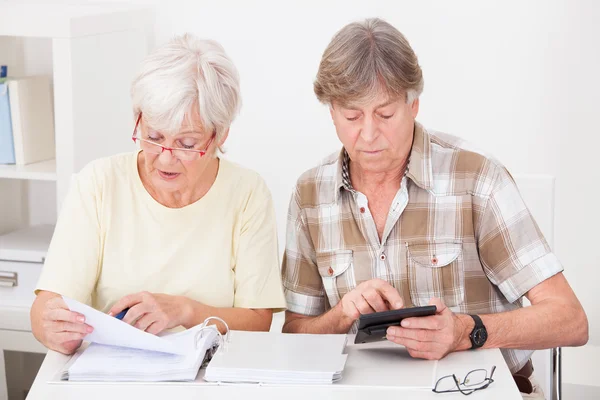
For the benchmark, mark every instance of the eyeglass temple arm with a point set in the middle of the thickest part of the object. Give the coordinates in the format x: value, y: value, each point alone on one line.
x: 137, y: 122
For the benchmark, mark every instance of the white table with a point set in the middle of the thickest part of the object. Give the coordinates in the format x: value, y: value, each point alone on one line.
x: 369, y: 371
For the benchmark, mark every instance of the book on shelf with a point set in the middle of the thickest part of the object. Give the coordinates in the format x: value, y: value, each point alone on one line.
x: 7, y: 149
x: 26, y: 121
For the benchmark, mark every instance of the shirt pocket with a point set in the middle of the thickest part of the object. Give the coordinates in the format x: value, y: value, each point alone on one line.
x: 435, y: 270
x: 336, y: 274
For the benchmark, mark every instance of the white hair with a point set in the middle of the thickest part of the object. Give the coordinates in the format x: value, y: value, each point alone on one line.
x: 187, y: 72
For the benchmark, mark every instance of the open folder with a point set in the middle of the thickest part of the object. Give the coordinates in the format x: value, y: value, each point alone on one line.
x: 119, y: 352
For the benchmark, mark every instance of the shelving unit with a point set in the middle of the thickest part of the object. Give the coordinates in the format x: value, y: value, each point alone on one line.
x: 40, y: 171
x: 93, y: 52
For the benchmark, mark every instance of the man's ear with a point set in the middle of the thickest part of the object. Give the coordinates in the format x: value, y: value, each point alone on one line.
x: 414, y: 108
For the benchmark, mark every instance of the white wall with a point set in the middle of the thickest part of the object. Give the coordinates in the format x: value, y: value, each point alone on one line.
x: 518, y: 78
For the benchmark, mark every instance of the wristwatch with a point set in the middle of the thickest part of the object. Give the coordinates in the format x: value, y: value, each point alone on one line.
x: 479, y: 334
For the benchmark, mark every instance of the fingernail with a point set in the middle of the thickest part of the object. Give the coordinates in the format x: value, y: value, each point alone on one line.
x: 110, y: 314
x: 405, y: 323
x: 89, y: 329
x: 80, y: 319
x: 389, y: 337
x: 399, y: 304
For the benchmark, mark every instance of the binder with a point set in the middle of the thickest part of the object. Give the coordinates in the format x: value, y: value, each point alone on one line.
x: 275, y: 358
x: 119, y: 352
x: 102, y: 363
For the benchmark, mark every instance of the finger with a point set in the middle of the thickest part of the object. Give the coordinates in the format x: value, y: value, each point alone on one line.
x: 362, y: 306
x: 135, y: 313
x: 71, y: 327
x: 156, y: 328
x: 126, y: 302
x: 439, y: 304
x: 411, y: 344
x: 374, y: 300
x: 64, y: 337
x: 432, y: 322
x: 145, y: 321
x: 59, y: 314
x: 421, y: 335
x: 389, y: 293
x: 70, y: 346
x: 423, y: 355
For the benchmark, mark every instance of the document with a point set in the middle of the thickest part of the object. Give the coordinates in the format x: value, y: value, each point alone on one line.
x: 110, y: 331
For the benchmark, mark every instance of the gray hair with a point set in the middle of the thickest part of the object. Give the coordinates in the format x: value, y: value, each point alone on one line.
x: 187, y: 72
x: 365, y: 59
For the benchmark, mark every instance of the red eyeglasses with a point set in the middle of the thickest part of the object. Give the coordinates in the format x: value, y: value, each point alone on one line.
x: 154, y: 148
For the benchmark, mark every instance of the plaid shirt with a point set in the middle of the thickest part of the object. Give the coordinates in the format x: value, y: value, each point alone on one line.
x: 457, y: 229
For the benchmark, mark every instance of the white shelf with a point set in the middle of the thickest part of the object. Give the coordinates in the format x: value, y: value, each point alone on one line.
x: 29, y: 244
x: 14, y: 318
x: 40, y: 171
x: 30, y: 19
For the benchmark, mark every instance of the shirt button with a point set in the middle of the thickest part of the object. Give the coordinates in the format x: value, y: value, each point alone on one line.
x: 362, y: 210
x: 330, y: 271
x: 382, y: 257
x: 434, y: 260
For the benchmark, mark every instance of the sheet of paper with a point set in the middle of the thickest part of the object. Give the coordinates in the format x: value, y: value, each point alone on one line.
x: 111, y: 331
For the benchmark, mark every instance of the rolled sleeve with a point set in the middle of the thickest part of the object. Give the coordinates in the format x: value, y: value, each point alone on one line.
x: 302, y: 282
x: 531, y: 275
x: 512, y: 249
x: 304, y: 304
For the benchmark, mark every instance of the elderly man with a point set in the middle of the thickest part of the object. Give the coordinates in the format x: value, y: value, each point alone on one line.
x: 403, y: 216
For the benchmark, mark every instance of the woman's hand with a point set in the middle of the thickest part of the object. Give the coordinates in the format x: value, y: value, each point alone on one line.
x: 57, y: 327
x: 153, y: 312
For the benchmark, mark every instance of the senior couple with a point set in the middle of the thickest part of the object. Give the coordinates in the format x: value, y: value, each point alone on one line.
x: 401, y: 216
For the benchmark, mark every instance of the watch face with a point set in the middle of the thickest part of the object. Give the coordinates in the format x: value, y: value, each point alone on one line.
x: 479, y: 336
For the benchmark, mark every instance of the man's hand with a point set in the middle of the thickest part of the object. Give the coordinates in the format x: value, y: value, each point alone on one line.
x: 371, y: 296
x: 432, y: 337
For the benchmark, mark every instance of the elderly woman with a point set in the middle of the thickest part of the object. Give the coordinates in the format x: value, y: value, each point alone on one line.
x: 403, y: 216
x: 172, y: 232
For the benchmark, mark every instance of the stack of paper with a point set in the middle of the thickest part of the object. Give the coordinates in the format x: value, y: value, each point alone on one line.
x: 118, y: 364
x: 120, y: 352
x: 271, y: 358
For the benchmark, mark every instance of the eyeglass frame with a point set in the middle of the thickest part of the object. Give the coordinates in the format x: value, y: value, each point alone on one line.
x: 466, y: 391
x: 163, y: 148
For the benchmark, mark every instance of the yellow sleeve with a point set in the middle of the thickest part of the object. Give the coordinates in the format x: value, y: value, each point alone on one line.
x: 73, y: 261
x: 257, y: 274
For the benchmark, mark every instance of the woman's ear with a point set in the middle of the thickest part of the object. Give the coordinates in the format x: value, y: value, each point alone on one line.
x: 224, y: 138
x: 222, y: 141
